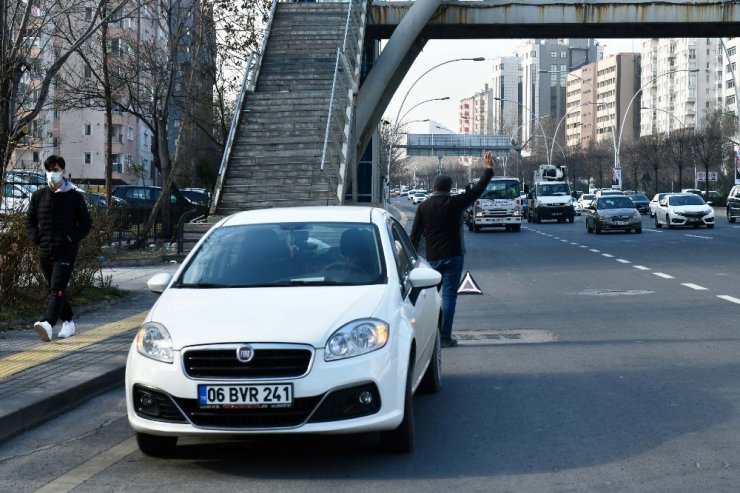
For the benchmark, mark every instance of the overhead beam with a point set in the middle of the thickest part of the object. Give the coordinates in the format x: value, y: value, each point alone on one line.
x: 505, y: 19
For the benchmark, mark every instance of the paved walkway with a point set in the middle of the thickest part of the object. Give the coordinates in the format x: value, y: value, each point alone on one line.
x: 40, y: 380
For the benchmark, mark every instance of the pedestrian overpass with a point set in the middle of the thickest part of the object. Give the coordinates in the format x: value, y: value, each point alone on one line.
x: 314, y: 93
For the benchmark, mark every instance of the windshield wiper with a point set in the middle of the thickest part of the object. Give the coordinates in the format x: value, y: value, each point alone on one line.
x: 200, y: 285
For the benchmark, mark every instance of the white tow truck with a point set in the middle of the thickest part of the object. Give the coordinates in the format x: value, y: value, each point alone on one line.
x: 549, y: 196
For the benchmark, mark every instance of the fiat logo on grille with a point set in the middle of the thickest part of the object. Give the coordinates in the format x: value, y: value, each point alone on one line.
x: 245, y: 354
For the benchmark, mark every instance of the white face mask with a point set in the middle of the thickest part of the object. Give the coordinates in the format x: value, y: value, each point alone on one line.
x: 54, y: 177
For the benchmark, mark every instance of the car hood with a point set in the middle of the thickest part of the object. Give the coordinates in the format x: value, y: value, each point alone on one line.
x: 291, y: 314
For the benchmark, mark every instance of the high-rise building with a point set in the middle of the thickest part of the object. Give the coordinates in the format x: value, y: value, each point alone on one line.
x: 681, y: 80
x: 601, y: 102
x: 545, y: 64
x: 506, y: 92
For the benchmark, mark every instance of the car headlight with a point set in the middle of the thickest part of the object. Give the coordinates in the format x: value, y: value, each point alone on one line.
x: 153, y: 341
x: 636, y: 214
x: 356, y: 338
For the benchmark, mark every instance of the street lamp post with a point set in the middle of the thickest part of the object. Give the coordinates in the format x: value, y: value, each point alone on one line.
x: 629, y: 105
x: 534, y: 115
x: 681, y: 125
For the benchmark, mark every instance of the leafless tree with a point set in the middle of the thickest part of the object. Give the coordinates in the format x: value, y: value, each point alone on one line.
x: 31, y: 56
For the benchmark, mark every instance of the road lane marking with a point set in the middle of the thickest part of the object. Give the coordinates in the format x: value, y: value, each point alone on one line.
x: 664, y: 276
x: 85, y: 471
x: 595, y: 250
x: 583, y: 246
x: 694, y: 286
x: 641, y: 267
x: 729, y: 298
x: 623, y: 261
x: 700, y: 236
x: 607, y: 255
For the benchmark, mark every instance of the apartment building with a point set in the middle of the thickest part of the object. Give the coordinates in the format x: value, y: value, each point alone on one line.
x: 506, y: 91
x: 682, y: 78
x: 545, y: 64
x: 603, y: 102
x: 73, y: 123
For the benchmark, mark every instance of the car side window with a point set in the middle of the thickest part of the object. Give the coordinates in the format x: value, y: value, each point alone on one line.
x: 403, y: 251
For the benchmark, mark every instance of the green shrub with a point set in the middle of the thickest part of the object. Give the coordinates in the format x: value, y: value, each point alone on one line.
x: 22, y: 286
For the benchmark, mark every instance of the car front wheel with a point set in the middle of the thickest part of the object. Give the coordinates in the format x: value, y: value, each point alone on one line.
x: 401, y: 440
x: 431, y: 383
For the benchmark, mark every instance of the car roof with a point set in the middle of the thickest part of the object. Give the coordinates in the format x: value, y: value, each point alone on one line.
x: 340, y: 213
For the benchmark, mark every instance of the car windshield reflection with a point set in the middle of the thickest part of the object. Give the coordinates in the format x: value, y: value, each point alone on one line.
x: 294, y: 254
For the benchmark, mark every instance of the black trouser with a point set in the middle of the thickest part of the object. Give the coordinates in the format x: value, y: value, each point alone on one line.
x: 57, y: 274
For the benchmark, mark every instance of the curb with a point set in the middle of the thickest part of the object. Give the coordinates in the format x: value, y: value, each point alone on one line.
x: 61, y: 396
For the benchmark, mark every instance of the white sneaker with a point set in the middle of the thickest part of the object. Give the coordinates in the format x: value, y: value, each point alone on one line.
x: 44, y: 330
x: 68, y: 330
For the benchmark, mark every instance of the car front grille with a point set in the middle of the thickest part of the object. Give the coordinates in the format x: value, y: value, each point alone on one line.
x: 694, y: 214
x: 268, y: 362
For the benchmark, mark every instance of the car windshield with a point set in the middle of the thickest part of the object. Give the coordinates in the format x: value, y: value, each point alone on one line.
x: 639, y: 198
x: 685, y: 200
x: 553, y: 189
x: 501, y: 189
x: 587, y: 196
x: 615, y: 203
x: 287, y: 254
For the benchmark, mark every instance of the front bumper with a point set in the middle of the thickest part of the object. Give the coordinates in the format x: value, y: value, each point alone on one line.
x: 677, y: 220
x: 325, y: 399
x: 555, y: 212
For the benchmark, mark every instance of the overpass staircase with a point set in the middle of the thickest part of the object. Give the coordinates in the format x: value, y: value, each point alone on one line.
x: 290, y: 139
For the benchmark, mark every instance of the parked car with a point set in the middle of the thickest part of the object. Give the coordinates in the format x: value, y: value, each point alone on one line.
x: 713, y: 198
x: 654, y: 203
x: 98, y: 201
x: 15, y: 198
x: 684, y: 209
x: 198, y: 196
x: 612, y: 212
x: 576, y: 208
x: 642, y: 203
x: 297, y: 363
x: 733, y: 204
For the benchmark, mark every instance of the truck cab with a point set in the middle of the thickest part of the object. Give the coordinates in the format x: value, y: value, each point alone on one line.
x: 500, y: 205
x: 549, y: 196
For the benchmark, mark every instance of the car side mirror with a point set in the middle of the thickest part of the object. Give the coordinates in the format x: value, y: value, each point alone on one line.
x: 424, y: 277
x: 159, y: 282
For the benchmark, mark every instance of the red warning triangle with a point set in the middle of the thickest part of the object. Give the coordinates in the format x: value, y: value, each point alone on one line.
x: 468, y: 285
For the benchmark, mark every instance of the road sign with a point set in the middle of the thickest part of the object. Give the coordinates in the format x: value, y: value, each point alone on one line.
x: 702, y: 176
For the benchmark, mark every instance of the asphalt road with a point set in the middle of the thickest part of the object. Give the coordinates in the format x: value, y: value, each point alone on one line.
x: 588, y: 363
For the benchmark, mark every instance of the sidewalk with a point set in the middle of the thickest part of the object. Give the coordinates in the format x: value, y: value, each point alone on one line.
x: 40, y: 380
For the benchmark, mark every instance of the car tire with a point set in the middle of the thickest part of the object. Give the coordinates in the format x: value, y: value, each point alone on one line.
x: 155, y: 445
x: 638, y: 230
x: 730, y: 217
x: 710, y: 226
x: 401, y: 440
x: 516, y: 227
x: 597, y: 229
x: 431, y: 382
x: 657, y: 224
x: 571, y: 219
x: 589, y: 229
x: 470, y: 226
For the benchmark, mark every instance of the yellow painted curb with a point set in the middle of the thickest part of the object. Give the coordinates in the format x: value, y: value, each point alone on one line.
x: 48, y: 351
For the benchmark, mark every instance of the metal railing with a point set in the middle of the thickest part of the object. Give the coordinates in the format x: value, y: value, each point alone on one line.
x: 336, y: 153
x: 251, y: 73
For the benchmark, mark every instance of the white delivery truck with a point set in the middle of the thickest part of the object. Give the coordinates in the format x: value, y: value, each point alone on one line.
x: 549, y: 195
x: 500, y: 205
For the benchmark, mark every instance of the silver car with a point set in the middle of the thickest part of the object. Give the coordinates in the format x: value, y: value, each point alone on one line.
x: 610, y: 212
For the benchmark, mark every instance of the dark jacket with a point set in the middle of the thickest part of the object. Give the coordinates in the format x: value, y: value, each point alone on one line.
x: 57, y: 222
x: 439, y: 219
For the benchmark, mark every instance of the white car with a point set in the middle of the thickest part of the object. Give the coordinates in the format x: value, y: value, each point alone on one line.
x: 683, y: 209
x: 654, y: 202
x: 585, y: 200
x: 288, y: 321
x: 418, y: 198
x: 15, y: 198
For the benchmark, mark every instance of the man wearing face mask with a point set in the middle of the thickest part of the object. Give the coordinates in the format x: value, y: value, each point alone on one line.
x: 57, y: 221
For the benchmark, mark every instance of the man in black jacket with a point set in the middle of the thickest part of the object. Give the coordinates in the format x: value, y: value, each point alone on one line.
x: 57, y: 221
x: 439, y: 220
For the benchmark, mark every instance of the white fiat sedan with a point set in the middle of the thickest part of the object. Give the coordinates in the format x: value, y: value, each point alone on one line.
x: 296, y: 320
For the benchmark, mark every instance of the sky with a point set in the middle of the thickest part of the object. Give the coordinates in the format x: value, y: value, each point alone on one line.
x: 458, y: 80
